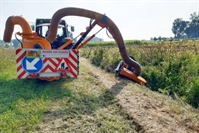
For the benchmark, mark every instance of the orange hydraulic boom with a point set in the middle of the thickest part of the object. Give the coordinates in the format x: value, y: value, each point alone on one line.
x: 31, y: 40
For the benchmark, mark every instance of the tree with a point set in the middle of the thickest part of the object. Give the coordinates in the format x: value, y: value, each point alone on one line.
x: 7, y: 45
x: 159, y: 38
x: 188, y: 29
x: 155, y: 39
x: 179, y: 27
x: 192, y: 30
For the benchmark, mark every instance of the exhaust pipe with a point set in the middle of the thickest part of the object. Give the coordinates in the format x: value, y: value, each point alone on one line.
x: 109, y: 24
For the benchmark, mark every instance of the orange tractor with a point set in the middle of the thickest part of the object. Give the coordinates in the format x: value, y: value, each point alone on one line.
x: 53, y: 56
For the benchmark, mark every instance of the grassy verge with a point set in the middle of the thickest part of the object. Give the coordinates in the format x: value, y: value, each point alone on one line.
x: 169, y: 67
x: 70, y: 105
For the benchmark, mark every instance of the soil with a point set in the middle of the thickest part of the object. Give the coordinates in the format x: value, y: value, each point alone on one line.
x: 148, y: 111
x: 151, y: 112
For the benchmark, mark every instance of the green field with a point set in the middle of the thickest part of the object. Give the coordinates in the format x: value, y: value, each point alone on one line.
x: 87, y: 104
x: 27, y: 105
x: 170, y: 67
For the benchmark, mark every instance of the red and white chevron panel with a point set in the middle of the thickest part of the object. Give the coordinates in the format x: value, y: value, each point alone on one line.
x: 21, y: 73
x: 73, y: 62
x: 51, y: 65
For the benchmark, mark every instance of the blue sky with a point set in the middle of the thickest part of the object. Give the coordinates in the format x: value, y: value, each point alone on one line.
x: 136, y: 19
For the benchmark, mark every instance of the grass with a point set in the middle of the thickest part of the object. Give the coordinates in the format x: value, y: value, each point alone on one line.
x: 169, y: 67
x: 23, y: 102
x: 72, y: 105
x: 80, y: 105
x: 113, y: 43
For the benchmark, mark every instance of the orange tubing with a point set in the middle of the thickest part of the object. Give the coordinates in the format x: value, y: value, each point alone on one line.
x: 26, y: 35
x: 13, y: 20
x: 104, y: 22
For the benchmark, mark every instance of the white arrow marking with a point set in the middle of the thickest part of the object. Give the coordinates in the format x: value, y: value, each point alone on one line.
x: 31, y: 65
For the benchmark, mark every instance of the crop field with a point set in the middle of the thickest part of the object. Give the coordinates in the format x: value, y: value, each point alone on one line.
x: 170, y: 67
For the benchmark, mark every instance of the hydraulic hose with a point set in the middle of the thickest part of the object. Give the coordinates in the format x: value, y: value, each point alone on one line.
x: 109, y: 24
x: 14, y: 20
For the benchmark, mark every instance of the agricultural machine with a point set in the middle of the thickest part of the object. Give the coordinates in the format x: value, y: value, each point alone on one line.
x: 52, y: 55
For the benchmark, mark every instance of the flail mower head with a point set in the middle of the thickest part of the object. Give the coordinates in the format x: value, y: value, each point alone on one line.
x: 126, y: 71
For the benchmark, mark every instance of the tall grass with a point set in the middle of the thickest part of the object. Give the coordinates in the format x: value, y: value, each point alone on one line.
x: 169, y: 67
x: 127, y: 42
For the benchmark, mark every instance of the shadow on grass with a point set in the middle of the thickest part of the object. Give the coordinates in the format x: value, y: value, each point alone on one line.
x: 13, y: 90
x: 85, y: 104
x: 28, y: 89
x: 88, y: 105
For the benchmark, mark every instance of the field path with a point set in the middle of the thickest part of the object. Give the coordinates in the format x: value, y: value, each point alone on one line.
x: 149, y: 111
x: 100, y: 100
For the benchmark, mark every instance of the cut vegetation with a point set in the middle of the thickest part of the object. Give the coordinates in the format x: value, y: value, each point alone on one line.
x: 94, y: 102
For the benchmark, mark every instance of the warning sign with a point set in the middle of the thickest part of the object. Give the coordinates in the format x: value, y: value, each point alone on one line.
x: 63, y: 66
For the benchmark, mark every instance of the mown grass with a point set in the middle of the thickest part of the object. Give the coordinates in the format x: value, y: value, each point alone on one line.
x: 169, y: 67
x: 69, y: 105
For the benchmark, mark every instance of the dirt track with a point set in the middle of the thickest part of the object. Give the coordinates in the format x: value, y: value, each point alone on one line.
x: 146, y: 111
x: 149, y: 111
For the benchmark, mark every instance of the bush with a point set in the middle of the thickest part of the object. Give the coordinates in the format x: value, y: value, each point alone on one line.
x: 168, y: 67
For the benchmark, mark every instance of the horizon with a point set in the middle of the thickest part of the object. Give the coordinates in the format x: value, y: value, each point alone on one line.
x: 136, y: 20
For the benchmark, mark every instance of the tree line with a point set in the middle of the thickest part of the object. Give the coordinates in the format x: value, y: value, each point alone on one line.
x: 183, y: 29
x: 13, y: 44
